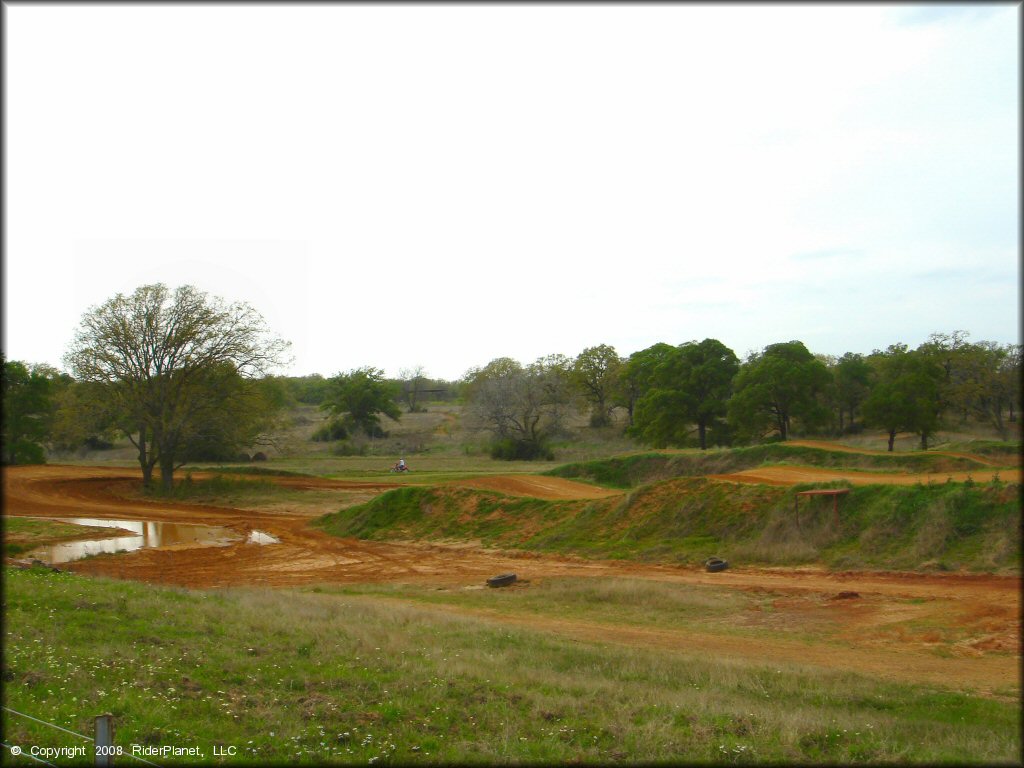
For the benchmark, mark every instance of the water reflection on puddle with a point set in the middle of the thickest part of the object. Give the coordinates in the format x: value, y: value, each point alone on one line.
x: 145, y: 533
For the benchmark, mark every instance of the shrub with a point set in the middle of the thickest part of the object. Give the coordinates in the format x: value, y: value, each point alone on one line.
x: 330, y: 431
x: 512, y: 449
x: 27, y: 452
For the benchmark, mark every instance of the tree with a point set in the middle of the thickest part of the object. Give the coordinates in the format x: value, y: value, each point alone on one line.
x: 84, y: 416
x: 690, y: 386
x: 594, y: 373
x: 991, y: 384
x: 161, y: 357
x: 772, y: 389
x: 1009, y: 373
x: 851, y: 375
x: 635, y: 375
x: 26, y: 412
x: 236, y: 413
x: 523, y: 407
x: 906, y: 394
x: 953, y: 353
x: 977, y: 381
x: 308, y: 390
x: 413, y: 382
x: 359, y: 396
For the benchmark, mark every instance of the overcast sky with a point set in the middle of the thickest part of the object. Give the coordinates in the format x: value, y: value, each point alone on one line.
x: 440, y: 185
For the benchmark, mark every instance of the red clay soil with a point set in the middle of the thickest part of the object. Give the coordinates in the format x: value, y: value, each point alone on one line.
x: 827, y: 446
x: 794, y: 475
x: 304, y: 555
x: 954, y: 629
x: 536, y: 486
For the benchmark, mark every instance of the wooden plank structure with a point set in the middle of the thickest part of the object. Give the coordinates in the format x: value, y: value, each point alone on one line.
x: 835, y: 493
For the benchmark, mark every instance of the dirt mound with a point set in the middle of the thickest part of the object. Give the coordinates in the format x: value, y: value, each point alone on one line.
x: 987, y: 657
x: 827, y: 446
x: 536, y: 486
x: 793, y: 475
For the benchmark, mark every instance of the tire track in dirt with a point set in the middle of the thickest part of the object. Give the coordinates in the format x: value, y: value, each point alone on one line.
x: 307, y: 556
x: 304, y: 555
x: 794, y: 475
x: 536, y: 486
x: 827, y: 446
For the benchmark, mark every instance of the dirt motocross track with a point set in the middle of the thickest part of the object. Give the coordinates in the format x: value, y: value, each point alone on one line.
x: 950, y: 629
x: 304, y: 555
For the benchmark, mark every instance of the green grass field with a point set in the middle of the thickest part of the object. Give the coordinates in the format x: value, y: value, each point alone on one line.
x: 373, y: 674
x: 312, y: 677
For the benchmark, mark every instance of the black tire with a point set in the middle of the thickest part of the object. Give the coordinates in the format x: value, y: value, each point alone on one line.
x: 501, y: 581
x: 715, y: 564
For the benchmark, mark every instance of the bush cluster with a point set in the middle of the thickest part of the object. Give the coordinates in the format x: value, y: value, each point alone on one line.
x: 330, y: 431
x: 512, y: 449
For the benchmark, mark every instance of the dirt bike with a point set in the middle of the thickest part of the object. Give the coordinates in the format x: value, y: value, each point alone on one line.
x: 401, y: 468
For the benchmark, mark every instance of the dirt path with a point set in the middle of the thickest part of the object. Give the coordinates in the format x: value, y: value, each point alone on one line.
x: 304, y: 555
x: 876, y: 632
x: 537, y: 486
x: 793, y: 475
x: 827, y: 446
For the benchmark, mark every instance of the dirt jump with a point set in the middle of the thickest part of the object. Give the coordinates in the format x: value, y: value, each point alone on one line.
x: 947, y: 629
x: 791, y: 475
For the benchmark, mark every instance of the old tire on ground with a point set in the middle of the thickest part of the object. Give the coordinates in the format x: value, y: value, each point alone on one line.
x: 501, y: 581
x: 713, y: 564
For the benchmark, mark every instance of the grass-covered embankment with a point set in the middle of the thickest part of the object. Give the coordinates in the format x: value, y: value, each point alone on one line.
x: 227, y: 490
x: 286, y: 676
x: 685, y: 520
x: 633, y: 470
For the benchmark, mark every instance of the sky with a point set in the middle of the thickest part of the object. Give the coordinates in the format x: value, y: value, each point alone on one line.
x: 440, y: 185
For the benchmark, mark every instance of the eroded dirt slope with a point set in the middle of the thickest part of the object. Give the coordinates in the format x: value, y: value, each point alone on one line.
x: 794, y: 475
x: 874, y: 633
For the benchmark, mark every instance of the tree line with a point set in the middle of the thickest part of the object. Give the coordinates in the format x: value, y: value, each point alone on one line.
x: 701, y: 394
x: 186, y: 377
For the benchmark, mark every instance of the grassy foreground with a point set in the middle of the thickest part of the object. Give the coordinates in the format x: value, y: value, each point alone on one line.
x: 308, y: 677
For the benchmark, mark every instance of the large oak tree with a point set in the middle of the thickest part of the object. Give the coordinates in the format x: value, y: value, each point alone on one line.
x: 522, y: 406
x: 779, y: 385
x: 166, y: 359
x: 690, y: 387
x: 359, y: 396
x: 906, y: 395
x: 635, y: 375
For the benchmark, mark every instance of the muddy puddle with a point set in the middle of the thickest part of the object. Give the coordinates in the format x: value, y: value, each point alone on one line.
x: 143, y: 533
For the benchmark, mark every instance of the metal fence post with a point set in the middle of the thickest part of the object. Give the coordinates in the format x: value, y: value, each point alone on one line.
x: 105, y: 740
